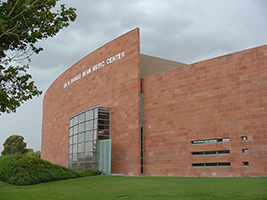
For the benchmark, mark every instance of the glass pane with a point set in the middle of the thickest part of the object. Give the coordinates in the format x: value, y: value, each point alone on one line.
x: 81, y: 127
x: 74, y: 158
x: 244, y: 138
x: 75, y: 121
x: 80, y: 157
x: 71, y: 131
x: 81, y: 117
x: 197, y: 153
x: 71, y: 122
x: 89, y: 135
x: 212, y: 141
x: 224, y: 152
x: 198, y: 142
x: 81, y: 137
x: 89, y: 157
x: 70, y: 140
x: 211, y: 164
x: 89, y: 125
x: 75, y: 148
x: 70, y: 158
x: 224, y: 164
x: 70, y: 149
x: 89, y: 114
x: 75, y: 139
x: 75, y: 130
x: 245, y: 150
x: 81, y: 147
x: 89, y: 166
x: 88, y: 146
x: 198, y: 164
x: 80, y: 167
x: 74, y: 166
x: 210, y: 153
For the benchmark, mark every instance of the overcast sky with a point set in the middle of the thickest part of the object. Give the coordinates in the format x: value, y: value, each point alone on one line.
x: 181, y: 30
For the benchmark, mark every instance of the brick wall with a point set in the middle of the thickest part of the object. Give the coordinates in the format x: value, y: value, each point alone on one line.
x: 218, y: 98
x: 115, y: 85
x: 224, y: 97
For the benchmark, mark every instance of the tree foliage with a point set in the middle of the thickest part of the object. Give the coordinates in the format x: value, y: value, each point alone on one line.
x: 22, y: 24
x: 14, y: 144
x: 31, y: 153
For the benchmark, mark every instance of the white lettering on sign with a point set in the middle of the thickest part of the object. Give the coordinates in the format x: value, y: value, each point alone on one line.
x: 94, y: 68
x: 115, y: 58
x: 88, y: 71
x: 98, y: 66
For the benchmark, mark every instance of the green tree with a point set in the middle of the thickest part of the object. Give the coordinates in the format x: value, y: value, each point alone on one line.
x: 31, y: 153
x: 22, y: 24
x: 14, y: 144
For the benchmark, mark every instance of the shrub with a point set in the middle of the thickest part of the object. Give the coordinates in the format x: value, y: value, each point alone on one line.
x: 89, y: 172
x: 26, y: 170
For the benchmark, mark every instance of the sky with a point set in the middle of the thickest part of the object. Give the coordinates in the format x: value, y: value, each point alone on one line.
x: 186, y: 31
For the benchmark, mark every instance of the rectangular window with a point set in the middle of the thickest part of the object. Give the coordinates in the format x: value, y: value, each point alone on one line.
x: 75, y: 120
x: 206, y: 153
x: 245, y: 164
x: 81, y: 137
x: 244, y: 138
x: 89, y: 135
x: 210, y: 141
x: 222, y: 164
x: 81, y: 127
x: 244, y: 150
x: 81, y: 118
x: 89, y: 115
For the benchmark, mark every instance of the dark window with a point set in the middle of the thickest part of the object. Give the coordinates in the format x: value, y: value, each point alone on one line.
x: 245, y: 150
x: 244, y: 138
x: 222, y: 164
x: 206, y: 153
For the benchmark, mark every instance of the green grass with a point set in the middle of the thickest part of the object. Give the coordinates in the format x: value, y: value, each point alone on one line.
x: 121, y: 187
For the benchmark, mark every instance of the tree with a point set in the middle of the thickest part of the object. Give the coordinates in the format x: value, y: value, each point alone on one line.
x: 22, y: 24
x: 14, y: 145
x: 31, y: 153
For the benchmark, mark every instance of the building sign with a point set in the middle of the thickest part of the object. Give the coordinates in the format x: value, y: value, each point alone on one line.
x: 95, y: 67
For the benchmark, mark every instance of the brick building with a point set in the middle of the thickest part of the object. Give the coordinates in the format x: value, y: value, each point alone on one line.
x: 133, y: 114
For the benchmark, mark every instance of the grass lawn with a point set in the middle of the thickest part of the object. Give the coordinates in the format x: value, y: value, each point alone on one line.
x: 121, y: 187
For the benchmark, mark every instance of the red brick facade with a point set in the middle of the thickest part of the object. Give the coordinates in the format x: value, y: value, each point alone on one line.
x: 225, y: 97
x: 218, y: 98
x: 115, y: 85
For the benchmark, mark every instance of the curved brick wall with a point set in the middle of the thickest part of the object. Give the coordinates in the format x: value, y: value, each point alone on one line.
x: 114, y: 81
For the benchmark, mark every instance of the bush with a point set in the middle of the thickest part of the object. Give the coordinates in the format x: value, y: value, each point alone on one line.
x: 25, y: 170
x: 89, y: 172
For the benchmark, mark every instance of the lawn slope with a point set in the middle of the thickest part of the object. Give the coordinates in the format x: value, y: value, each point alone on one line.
x: 121, y: 187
